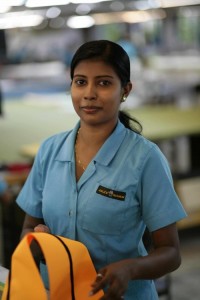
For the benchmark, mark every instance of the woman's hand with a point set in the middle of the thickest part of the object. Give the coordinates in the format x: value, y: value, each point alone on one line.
x: 115, y: 277
x: 162, y: 259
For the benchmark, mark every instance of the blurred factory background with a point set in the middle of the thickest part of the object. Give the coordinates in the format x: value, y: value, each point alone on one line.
x: 162, y: 38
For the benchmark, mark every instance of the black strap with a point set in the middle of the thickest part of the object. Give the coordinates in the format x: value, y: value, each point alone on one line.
x: 71, y: 266
x: 9, y: 280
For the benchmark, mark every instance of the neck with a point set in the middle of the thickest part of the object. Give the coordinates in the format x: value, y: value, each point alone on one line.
x: 94, y: 135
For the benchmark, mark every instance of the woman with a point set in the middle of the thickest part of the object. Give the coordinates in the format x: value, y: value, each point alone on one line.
x: 102, y: 183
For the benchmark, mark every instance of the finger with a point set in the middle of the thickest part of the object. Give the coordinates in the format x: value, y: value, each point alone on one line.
x: 98, y: 284
x: 99, y: 277
x: 42, y: 228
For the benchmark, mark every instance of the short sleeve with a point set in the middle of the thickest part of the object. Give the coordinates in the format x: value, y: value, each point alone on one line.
x: 30, y: 197
x: 160, y: 204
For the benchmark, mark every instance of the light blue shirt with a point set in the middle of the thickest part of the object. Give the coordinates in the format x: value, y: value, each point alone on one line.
x: 126, y: 187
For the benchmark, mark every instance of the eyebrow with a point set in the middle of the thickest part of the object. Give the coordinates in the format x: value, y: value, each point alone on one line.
x: 99, y: 76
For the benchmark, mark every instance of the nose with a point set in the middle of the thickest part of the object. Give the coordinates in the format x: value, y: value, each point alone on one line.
x: 90, y: 92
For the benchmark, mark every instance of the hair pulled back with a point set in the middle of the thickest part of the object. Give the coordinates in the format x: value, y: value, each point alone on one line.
x: 115, y: 56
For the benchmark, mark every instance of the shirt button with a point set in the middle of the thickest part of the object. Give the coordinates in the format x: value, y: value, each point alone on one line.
x: 70, y: 213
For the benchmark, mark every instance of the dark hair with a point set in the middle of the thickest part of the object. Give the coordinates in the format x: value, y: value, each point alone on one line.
x: 115, y: 56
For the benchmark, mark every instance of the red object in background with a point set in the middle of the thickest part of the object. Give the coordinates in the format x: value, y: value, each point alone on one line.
x: 18, y: 167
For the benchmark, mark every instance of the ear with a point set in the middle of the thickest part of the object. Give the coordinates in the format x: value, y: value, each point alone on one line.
x: 127, y: 89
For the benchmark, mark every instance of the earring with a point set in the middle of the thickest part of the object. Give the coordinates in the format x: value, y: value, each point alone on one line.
x: 123, y: 99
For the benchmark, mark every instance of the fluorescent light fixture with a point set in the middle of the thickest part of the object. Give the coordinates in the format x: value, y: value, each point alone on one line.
x: 12, y: 2
x: 80, y: 22
x: 4, y: 9
x: 175, y: 3
x: 20, y: 19
x: 87, y: 1
x: 42, y: 3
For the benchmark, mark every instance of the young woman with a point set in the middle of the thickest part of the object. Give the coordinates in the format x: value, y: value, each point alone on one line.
x: 102, y: 183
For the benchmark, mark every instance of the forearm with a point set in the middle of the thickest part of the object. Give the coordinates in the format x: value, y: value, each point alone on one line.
x: 116, y: 276
x: 25, y: 231
x: 29, y: 224
x: 159, y: 262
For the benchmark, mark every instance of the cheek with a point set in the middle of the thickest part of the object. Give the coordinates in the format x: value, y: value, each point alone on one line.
x: 117, y: 94
x: 114, y: 95
x: 75, y: 104
x: 116, y: 99
x: 75, y: 97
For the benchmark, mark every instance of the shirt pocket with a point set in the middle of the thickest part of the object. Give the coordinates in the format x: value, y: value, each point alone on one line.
x: 105, y: 214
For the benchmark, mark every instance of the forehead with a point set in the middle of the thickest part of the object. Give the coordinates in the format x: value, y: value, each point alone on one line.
x: 94, y: 67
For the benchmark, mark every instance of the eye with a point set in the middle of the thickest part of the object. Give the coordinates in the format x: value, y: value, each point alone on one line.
x: 80, y: 81
x: 104, y: 82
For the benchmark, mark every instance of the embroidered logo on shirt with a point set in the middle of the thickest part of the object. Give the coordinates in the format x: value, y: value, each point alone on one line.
x: 111, y: 193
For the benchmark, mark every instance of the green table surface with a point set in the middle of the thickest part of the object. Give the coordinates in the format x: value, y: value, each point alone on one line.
x: 165, y: 122
x: 159, y: 123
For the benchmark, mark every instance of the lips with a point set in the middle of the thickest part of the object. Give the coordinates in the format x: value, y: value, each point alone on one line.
x: 90, y: 109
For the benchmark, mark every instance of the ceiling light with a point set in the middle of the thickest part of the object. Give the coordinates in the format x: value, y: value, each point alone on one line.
x: 83, y: 9
x: 12, y: 2
x: 4, y: 8
x: 80, y: 22
x: 40, y: 3
x: 53, y: 12
x: 20, y: 21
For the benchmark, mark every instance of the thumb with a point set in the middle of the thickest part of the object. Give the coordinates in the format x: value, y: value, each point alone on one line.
x: 42, y: 228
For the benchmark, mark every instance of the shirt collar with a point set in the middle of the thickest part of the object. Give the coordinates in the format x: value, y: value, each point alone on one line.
x: 111, y: 145
x: 66, y: 152
x: 104, y: 155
